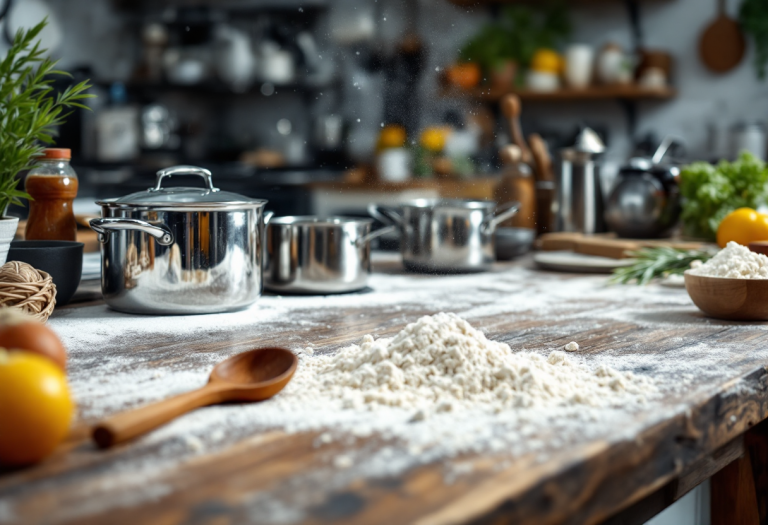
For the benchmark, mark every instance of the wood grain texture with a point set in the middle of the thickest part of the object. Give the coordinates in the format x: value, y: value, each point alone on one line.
x: 271, y: 475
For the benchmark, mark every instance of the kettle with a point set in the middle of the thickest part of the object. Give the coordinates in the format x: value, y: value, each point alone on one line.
x: 645, y: 202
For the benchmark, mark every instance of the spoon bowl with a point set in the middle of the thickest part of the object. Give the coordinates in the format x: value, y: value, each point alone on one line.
x: 255, y: 375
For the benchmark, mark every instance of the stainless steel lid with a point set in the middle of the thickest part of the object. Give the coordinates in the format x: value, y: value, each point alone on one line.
x: 312, y: 220
x: 462, y: 204
x: 208, y: 197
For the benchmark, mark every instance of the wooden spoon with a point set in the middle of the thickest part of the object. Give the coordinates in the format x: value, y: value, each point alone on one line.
x: 255, y: 375
x: 511, y: 108
x: 722, y: 43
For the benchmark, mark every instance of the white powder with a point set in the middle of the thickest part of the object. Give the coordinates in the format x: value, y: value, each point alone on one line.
x: 573, y: 346
x: 735, y: 262
x: 441, y: 363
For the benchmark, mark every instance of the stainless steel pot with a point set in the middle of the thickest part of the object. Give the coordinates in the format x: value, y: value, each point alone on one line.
x: 446, y: 235
x: 181, y: 250
x: 315, y: 255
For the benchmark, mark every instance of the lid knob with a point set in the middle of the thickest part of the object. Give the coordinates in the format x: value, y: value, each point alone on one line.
x: 184, y: 170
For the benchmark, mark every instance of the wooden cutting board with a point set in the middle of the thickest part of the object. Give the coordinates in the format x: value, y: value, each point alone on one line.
x: 606, y: 245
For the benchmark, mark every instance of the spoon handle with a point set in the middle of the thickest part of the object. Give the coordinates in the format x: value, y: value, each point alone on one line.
x: 134, y: 423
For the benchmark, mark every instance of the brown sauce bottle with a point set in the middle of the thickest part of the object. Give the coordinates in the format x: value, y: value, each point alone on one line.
x: 53, y: 186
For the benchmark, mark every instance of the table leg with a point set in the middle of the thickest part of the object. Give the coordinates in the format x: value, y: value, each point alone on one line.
x: 739, y: 492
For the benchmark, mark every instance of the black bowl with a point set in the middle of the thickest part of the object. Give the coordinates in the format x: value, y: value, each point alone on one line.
x: 62, y: 259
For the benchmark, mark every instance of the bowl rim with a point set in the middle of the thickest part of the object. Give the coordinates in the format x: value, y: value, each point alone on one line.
x: 736, y: 279
x: 28, y: 245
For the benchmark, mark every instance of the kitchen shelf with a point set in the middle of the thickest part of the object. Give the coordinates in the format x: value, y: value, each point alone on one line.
x: 482, y: 3
x: 628, y: 93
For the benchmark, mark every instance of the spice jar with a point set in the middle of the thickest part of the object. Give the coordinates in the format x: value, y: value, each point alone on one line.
x: 53, y: 187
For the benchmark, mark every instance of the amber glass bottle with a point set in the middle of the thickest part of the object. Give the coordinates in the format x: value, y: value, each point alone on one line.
x: 53, y: 186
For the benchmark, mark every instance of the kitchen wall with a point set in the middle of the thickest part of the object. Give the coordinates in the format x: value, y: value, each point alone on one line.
x: 704, y: 98
x: 95, y: 34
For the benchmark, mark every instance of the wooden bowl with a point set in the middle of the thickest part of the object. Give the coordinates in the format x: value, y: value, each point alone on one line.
x: 731, y: 299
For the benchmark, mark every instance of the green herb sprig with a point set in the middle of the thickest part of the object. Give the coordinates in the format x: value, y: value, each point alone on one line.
x: 651, y: 263
x: 29, y: 112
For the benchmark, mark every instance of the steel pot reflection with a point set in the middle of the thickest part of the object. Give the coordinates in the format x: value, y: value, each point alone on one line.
x: 446, y: 235
x: 181, y: 250
x: 318, y: 255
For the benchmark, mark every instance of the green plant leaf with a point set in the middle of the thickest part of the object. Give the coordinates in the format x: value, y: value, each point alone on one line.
x: 29, y: 113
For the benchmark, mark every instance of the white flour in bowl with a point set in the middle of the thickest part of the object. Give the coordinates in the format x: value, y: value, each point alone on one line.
x: 441, y: 363
x: 735, y: 262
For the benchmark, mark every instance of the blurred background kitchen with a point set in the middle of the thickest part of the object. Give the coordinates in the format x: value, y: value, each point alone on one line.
x: 323, y: 106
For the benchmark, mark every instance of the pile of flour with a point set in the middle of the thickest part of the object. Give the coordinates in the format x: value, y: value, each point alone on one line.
x: 735, y: 262
x: 441, y: 363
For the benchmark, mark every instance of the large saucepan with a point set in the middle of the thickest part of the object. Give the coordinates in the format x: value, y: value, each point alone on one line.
x: 446, y: 235
x: 318, y: 255
x: 181, y: 250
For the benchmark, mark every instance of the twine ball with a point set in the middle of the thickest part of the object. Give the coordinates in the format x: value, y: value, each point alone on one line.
x: 28, y: 289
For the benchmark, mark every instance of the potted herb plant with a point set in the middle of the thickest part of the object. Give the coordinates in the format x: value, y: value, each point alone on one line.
x: 506, y: 46
x: 30, y: 113
x: 753, y: 16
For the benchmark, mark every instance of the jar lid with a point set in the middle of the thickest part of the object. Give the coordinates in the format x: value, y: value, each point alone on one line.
x: 186, y: 197
x: 57, y: 153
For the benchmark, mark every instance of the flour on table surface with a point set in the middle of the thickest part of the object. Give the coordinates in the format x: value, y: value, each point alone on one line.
x: 734, y: 262
x: 119, y: 361
x: 441, y: 363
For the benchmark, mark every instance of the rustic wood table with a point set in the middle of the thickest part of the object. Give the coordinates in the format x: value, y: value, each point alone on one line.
x: 244, y: 464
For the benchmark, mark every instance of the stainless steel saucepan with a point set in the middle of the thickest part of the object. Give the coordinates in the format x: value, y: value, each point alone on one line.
x: 446, y: 235
x: 318, y: 255
x: 181, y: 250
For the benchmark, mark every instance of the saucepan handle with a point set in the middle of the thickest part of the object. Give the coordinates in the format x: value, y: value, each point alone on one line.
x: 268, y: 217
x: 184, y: 170
x: 365, y: 239
x: 385, y: 214
x: 501, y: 214
x: 107, y: 225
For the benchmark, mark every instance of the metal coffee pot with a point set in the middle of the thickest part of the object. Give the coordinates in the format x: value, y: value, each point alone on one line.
x: 579, y: 196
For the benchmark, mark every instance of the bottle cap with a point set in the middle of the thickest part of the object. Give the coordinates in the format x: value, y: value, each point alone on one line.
x: 57, y: 153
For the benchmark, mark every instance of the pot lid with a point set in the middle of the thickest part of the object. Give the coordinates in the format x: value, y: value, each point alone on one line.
x: 204, y: 197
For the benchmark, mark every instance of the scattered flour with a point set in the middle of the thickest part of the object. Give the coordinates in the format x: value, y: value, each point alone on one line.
x: 573, y: 346
x: 442, y: 364
x: 735, y: 262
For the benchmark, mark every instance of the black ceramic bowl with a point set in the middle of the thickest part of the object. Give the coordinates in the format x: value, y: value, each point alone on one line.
x: 513, y: 242
x: 62, y: 259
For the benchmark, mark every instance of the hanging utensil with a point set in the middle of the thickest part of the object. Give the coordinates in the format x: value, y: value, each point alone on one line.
x: 722, y: 44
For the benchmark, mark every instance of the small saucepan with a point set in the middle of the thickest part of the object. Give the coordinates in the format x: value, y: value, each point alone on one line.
x: 446, y: 236
x: 318, y: 255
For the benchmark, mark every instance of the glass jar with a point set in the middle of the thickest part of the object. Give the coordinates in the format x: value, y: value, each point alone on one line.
x: 53, y: 187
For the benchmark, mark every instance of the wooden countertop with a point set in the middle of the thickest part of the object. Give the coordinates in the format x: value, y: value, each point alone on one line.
x: 711, y: 375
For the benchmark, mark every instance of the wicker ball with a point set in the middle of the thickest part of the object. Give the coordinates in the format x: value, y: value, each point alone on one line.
x: 30, y: 290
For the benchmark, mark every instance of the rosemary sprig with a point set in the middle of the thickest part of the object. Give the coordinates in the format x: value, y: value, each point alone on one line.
x: 657, y: 262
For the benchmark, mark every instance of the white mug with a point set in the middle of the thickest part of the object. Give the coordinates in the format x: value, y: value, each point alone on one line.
x: 578, y: 65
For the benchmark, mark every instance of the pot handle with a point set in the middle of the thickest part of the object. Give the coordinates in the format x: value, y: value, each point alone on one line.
x: 268, y: 217
x: 501, y: 214
x: 184, y: 170
x: 385, y: 214
x: 104, y: 226
x: 365, y: 239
